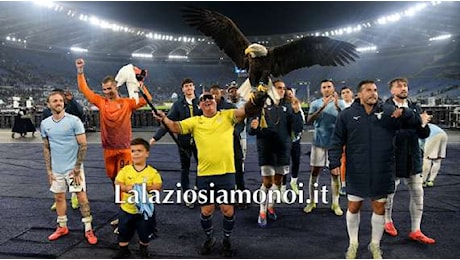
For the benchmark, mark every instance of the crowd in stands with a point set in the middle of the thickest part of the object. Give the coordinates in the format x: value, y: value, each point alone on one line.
x: 28, y: 73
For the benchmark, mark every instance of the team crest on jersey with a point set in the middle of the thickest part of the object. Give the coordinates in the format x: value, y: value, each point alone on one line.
x: 379, y: 115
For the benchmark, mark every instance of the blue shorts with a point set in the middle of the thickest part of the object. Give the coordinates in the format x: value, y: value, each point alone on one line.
x: 223, y: 183
x: 128, y: 223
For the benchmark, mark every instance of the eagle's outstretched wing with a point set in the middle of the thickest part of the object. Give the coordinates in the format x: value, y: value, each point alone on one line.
x: 224, y: 31
x: 309, y: 51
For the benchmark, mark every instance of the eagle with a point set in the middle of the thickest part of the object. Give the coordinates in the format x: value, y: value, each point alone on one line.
x: 262, y: 62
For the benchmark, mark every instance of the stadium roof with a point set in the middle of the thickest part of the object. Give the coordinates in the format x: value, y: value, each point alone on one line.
x: 60, y: 26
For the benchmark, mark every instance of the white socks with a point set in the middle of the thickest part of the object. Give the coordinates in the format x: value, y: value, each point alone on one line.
x: 335, y: 186
x: 313, y: 180
x: 275, y: 190
x: 435, y: 169
x: 62, y: 221
x: 389, y: 203
x: 87, y: 221
x: 378, y: 224
x: 263, y: 205
x: 353, y: 221
x: 416, y: 201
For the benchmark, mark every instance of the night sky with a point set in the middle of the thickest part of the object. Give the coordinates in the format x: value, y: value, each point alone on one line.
x: 253, y: 17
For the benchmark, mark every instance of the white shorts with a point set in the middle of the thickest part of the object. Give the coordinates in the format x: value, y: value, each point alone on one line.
x: 319, y: 157
x: 436, y: 147
x: 267, y: 170
x: 355, y: 198
x: 62, y: 181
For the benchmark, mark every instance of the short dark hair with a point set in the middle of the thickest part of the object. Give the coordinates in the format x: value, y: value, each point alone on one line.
x: 289, y: 88
x: 405, y: 80
x: 141, y: 141
x: 186, y: 81
x: 107, y: 79
x: 215, y: 86
x: 366, y: 81
x: 327, y: 80
x: 345, y: 87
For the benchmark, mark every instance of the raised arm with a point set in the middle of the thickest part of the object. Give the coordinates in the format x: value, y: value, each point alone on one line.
x: 172, y: 125
x: 82, y: 85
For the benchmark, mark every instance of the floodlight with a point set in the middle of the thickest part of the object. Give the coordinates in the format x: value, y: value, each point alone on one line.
x: 440, y: 37
x: 142, y: 55
x: 177, y: 57
x: 78, y: 49
x: 367, y: 49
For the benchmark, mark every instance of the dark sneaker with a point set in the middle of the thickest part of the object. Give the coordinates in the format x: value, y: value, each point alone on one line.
x: 122, y: 253
x: 227, y: 250
x: 207, y: 246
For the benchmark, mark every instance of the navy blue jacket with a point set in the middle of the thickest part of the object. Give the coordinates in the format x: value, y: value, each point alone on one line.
x: 179, y: 111
x: 276, y: 138
x: 282, y: 123
x: 408, y: 153
x: 369, y: 148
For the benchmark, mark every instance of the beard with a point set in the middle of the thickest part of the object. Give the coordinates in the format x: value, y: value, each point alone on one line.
x: 371, y: 101
x: 58, y: 109
x: 402, y: 96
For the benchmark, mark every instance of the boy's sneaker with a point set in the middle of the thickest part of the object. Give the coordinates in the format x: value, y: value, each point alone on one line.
x: 375, y: 251
x: 60, y: 231
x: 227, y: 250
x: 272, y: 214
x: 90, y: 237
x: 295, y: 187
x: 337, y: 210
x: 309, y: 207
x: 74, y: 202
x: 390, y: 229
x: 420, y: 237
x: 429, y: 184
x: 207, y: 246
x: 352, y: 251
x: 53, y: 207
x: 262, y: 220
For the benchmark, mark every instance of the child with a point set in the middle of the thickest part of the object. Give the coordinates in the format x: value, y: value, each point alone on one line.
x: 130, y: 219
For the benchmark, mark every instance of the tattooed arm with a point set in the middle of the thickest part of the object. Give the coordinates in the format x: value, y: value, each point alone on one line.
x: 47, y: 156
x: 83, y: 146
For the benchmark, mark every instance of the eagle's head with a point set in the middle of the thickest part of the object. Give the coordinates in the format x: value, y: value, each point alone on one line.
x: 256, y: 50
